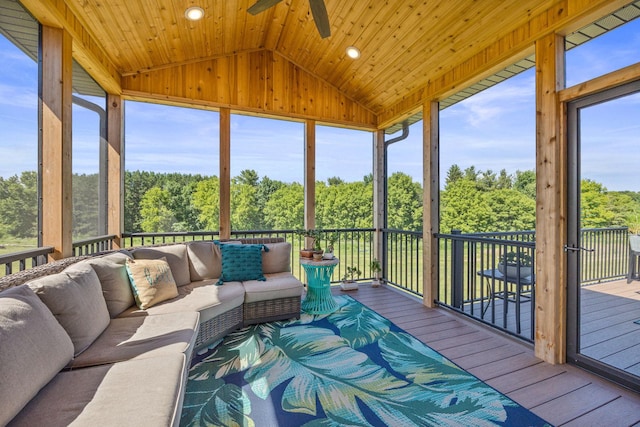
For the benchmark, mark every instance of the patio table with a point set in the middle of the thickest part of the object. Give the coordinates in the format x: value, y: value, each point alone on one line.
x: 319, y: 299
x: 523, y: 287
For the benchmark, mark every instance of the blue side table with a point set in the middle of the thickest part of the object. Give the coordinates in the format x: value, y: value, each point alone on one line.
x: 319, y: 299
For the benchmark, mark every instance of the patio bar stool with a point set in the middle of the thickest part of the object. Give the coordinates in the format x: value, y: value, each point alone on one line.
x: 634, y: 253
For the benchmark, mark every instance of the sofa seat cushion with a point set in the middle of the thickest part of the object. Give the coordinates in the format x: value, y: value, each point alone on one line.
x: 277, y: 285
x: 141, y: 337
x: 33, y: 349
x: 74, y: 296
x: 145, y: 392
x: 114, y: 279
x: 176, y: 256
x: 205, y: 260
x: 203, y: 296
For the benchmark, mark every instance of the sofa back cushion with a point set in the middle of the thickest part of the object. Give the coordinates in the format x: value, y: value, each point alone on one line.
x: 33, y: 349
x: 114, y: 279
x: 176, y: 256
x: 277, y: 259
x: 241, y: 262
x: 74, y: 296
x: 205, y: 260
x: 151, y: 281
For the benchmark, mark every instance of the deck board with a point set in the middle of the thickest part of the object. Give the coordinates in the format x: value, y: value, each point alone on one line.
x: 561, y: 394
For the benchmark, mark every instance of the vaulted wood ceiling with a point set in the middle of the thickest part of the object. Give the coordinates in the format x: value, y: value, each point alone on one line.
x: 405, y: 44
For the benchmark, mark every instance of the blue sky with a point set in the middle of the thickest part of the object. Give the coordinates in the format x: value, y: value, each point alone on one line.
x: 492, y: 130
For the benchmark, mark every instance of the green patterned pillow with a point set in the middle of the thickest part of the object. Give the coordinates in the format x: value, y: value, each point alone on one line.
x: 151, y: 281
x: 241, y: 262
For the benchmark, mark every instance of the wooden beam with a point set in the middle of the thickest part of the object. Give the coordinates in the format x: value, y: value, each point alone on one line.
x: 551, y: 194
x: 55, y: 110
x: 225, y: 174
x: 86, y: 47
x: 431, y: 197
x: 379, y: 202
x: 115, y: 167
x: 309, y: 177
x: 616, y: 78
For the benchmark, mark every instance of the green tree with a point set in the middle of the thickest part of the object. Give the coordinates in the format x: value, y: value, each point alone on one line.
x: 593, y: 205
x: 206, y: 200
x: 155, y: 212
x: 245, y: 213
x: 247, y: 177
x: 453, y: 174
x: 85, y: 206
x: 509, y: 210
x: 19, y: 205
x: 525, y: 182
x: 404, y: 203
x: 464, y: 208
x: 335, y: 180
x: 504, y: 180
x: 285, y: 209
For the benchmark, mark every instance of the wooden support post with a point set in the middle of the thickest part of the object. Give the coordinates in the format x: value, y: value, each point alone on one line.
x: 551, y: 195
x: 309, y: 177
x: 379, y: 202
x: 225, y: 174
x: 431, y: 204
x: 55, y: 119
x: 115, y: 168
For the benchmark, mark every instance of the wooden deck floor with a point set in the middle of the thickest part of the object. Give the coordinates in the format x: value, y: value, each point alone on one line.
x: 564, y: 395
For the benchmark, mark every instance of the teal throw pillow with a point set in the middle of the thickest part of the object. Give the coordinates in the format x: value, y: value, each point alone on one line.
x: 241, y: 262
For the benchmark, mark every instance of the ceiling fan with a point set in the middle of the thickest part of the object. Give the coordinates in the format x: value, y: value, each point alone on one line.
x: 318, y: 10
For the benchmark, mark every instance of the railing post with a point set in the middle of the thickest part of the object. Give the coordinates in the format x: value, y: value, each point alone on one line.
x: 457, y: 270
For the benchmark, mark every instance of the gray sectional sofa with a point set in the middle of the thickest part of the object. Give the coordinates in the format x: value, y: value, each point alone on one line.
x: 77, y: 349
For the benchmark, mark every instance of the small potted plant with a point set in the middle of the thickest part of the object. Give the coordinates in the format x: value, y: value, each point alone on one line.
x: 375, y: 269
x: 311, y: 243
x: 352, y: 273
x: 331, y: 240
x: 518, y: 264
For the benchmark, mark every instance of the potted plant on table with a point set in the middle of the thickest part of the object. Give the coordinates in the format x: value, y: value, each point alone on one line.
x: 516, y: 264
x: 352, y: 273
x: 376, y: 268
x: 331, y: 240
x: 311, y: 243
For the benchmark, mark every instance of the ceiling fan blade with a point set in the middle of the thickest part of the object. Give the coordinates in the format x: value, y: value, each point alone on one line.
x: 262, y: 5
x: 320, y: 17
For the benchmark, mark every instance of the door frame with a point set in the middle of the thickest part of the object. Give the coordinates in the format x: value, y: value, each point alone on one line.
x: 573, y: 234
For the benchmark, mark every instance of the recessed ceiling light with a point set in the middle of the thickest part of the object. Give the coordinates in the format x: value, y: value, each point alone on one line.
x: 353, y: 52
x: 194, y: 13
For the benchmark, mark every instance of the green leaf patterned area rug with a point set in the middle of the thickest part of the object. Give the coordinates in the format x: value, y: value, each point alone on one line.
x: 350, y: 368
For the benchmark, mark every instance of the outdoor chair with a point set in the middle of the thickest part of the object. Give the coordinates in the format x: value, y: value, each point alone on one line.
x: 634, y: 253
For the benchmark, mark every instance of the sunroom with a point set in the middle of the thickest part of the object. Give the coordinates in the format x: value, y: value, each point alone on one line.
x: 103, y: 67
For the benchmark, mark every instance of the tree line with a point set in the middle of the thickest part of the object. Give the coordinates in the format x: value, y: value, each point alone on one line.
x: 472, y: 200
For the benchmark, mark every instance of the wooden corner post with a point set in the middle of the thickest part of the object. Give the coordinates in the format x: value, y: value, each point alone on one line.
x: 431, y: 204
x: 309, y: 176
x: 551, y: 192
x: 225, y: 174
x: 55, y: 141
x: 115, y: 168
x: 379, y: 202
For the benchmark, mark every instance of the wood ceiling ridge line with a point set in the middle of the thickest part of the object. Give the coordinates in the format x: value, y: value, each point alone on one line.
x: 93, y: 55
x: 346, y: 95
x: 516, y: 43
